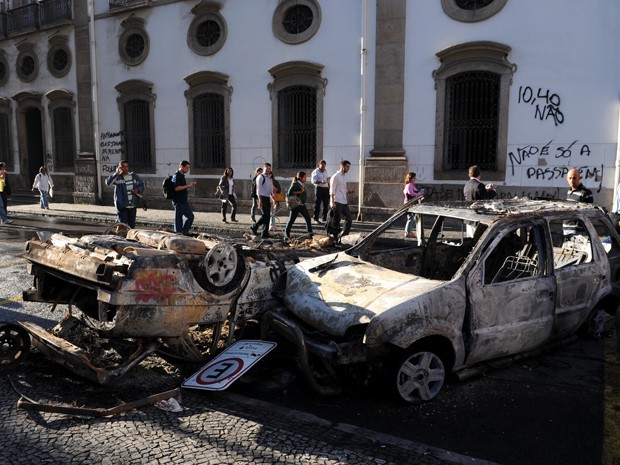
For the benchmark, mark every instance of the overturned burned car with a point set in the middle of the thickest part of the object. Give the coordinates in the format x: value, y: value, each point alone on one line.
x: 478, y: 283
x: 184, y: 297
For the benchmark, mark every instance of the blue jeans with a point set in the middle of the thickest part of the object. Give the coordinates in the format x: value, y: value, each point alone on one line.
x: 3, y: 216
x: 127, y: 216
x: 182, y: 210
x: 44, y: 203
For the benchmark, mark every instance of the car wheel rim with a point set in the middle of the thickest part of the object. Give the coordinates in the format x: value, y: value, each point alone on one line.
x: 420, y: 377
x: 221, y: 264
x: 14, y: 344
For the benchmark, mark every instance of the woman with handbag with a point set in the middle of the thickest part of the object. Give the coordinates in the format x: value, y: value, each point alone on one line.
x: 43, y: 182
x: 227, y: 194
x: 297, y: 191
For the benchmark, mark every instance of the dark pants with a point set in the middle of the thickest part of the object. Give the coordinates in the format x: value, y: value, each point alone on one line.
x: 5, y: 201
x: 292, y: 216
x: 233, y: 202
x: 322, y: 198
x: 342, y: 209
x: 254, y: 209
x: 127, y: 216
x: 182, y: 209
x: 265, y: 217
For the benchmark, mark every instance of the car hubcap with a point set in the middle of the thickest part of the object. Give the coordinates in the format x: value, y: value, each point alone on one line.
x: 420, y: 377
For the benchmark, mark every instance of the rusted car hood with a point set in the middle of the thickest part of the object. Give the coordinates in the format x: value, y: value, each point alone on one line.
x: 335, y: 292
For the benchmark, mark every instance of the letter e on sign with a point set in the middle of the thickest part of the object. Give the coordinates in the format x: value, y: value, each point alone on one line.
x: 227, y: 367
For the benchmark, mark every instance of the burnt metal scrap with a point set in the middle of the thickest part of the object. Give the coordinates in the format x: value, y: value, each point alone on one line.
x: 150, y: 291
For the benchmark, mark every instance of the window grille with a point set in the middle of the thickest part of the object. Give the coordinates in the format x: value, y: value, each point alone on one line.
x: 472, y: 116
x: 138, y: 133
x: 297, y: 129
x: 473, y: 4
x: 297, y: 19
x: 63, y: 137
x: 209, y: 131
x: 5, y: 138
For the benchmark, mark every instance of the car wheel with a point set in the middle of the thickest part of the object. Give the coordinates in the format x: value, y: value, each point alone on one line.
x: 418, y: 376
x: 14, y: 344
x: 223, y: 268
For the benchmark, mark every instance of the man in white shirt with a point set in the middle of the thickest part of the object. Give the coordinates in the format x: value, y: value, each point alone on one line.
x: 338, y: 193
x: 320, y: 180
x: 264, y: 189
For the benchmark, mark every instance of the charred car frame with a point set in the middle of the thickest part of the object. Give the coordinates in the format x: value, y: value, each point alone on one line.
x: 479, y: 283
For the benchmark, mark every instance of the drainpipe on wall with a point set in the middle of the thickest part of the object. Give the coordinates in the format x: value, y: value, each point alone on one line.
x: 363, y: 65
x: 94, y: 91
x: 617, y: 174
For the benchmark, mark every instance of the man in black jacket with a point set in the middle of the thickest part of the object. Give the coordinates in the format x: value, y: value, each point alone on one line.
x: 475, y: 189
x: 577, y: 192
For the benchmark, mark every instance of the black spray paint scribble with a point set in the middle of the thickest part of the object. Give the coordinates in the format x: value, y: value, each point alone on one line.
x: 546, y: 105
x: 521, y: 154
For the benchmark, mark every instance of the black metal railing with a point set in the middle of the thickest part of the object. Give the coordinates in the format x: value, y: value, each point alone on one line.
x: 3, y: 28
x: 23, y: 19
x: 54, y: 11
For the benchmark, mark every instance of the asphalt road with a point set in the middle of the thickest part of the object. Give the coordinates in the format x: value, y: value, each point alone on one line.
x: 545, y: 410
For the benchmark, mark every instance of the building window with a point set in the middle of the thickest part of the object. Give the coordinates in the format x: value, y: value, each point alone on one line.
x: 27, y: 66
x: 207, y: 32
x: 4, y: 69
x: 133, y: 44
x: 470, y: 11
x: 471, y: 115
x: 61, y: 109
x: 5, y: 137
x: 296, y: 21
x: 58, y: 57
x: 297, y: 127
x: 136, y: 104
x: 208, y: 100
x: 473, y: 90
x: 297, y: 94
x: 63, y: 137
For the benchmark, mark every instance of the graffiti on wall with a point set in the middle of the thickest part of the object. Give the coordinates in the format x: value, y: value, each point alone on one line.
x: 546, y: 105
x: 542, y: 152
x: 111, y: 150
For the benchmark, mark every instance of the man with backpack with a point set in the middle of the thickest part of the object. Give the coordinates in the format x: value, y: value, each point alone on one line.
x: 180, y: 203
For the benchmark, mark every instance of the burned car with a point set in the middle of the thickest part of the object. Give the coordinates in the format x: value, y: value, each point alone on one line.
x: 478, y: 283
x: 185, y: 298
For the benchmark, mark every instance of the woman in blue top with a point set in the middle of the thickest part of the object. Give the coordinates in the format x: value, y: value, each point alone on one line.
x: 297, y: 189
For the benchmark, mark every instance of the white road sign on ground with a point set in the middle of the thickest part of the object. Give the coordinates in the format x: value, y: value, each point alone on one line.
x: 227, y: 367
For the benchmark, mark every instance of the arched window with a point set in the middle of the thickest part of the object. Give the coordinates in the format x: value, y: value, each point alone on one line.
x: 473, y: 84
x: 136, y: 103
x: 61, y: 110
x: 208, y: 101
x: 297, y: 115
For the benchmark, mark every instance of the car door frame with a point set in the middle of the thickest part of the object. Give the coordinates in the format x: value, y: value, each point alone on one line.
x: 513, y: 316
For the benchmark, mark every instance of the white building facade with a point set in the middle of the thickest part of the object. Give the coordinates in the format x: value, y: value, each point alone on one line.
x: 524, y: 89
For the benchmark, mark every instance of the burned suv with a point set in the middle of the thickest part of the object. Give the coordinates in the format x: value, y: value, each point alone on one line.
x: 479, y: 282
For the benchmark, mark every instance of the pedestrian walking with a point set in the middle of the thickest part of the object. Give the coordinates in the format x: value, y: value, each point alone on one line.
x: 339, y: 204
x: 180, y: 202
x: 254, y: 195
x: 127, y: 189
x: 264, y: 190
x: 320, y: 180
x: 5, y: 187
x: 4, y: 219
x: 227, y: 194
x: 410, y: 191
x: 298, y: 190
x: 44, y: 184
x: 276, y: 197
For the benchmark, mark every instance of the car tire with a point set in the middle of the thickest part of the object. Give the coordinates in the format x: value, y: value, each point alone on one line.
x: 14, y: 345
x: 417, y: 376
x: 222, y: 269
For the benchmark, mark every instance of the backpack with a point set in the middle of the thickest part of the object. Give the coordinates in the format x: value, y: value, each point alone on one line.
x: 168, y: 188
